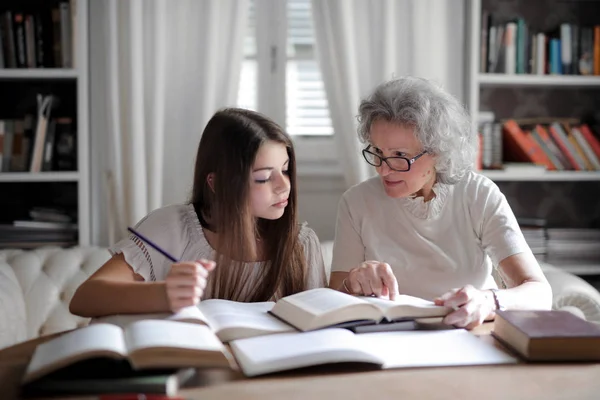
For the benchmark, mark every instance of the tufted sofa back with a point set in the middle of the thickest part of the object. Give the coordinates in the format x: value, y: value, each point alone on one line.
x: 47, y: 279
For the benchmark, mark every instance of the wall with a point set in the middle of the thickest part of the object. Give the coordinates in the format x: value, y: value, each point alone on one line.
x: 318, y: 200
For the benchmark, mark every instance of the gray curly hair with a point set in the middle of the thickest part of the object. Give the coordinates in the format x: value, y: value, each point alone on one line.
x: 441, y: 123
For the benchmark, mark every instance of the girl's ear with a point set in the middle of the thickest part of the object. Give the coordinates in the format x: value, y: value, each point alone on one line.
x: 210, y: 179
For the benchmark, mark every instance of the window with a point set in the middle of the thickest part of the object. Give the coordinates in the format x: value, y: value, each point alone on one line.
x: 287, y: 85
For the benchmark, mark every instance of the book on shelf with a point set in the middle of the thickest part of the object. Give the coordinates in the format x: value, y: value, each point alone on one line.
x: 39, y: 144
x: 513, y: 46
x: 324, y: 307
x: 147, y: 344
x: 40, y: 37
x: 108, y: 377
x: 227, y: 319
x: 551, y: 143
x: 548, y: 335
x: 384, y: 350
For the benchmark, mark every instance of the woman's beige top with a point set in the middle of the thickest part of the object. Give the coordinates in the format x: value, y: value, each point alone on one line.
x: 177, y: 230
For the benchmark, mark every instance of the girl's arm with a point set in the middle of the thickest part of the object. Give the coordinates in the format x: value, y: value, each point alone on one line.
x: 116, y: 289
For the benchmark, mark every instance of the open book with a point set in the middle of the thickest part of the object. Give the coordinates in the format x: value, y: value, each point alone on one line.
x: 287, y: 351
x: 227, y: 319
x: 144, y: 344
x: 319, y: 308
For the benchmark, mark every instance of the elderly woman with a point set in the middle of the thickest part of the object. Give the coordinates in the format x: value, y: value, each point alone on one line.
x: 427, y: 225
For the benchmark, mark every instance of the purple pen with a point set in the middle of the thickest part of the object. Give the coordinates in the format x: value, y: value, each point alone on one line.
x: 154, y: 246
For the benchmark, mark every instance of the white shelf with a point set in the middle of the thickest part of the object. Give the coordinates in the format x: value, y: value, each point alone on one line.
x: 38, y: 73
x: 545, y: 176
x: 39, y: 177
x: 538, y: 80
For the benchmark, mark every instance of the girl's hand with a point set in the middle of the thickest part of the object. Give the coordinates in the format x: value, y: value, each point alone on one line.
x: 372, y: 278
x: 472, y: 306
x: 186, y: 282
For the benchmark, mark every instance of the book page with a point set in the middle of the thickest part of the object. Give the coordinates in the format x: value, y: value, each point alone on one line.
x: 187, y: 314
x: 405, y: 306
x: 181, y: 335
x: 323, y: 307
x: 267, y: 354
x: 322, y: 300
x: 235, y: 320
x: 99, y: 339
x: 432, y: 349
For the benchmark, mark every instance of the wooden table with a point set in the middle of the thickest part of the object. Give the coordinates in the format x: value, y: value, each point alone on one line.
x: 522, y: 381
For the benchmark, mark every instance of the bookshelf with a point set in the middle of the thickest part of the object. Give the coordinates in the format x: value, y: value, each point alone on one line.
x: 71, y: 86
x: 567, y: 199
x: 546, y: 176
x: 573, y: 81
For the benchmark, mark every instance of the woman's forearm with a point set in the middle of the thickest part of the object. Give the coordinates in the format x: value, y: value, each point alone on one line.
x: 531, y: 295
x: 100, y: 297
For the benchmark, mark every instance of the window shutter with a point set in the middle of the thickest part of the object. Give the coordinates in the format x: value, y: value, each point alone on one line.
x: 307, y: 111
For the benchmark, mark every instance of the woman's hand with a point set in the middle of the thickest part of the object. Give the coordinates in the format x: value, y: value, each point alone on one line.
x: 372, y: 278
x: 471, y: 306
x: 186, y: 282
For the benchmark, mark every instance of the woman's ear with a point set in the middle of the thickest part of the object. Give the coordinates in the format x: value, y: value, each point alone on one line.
x: 210, y: 179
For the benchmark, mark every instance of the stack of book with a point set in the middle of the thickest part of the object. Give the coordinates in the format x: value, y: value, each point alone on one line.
x: 572, y: 248
x: 534, y: 231
x: 47, y: 227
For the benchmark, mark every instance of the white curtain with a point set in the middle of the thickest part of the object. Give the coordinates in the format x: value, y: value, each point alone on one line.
x: 361, y: 43
x: 158, y: 71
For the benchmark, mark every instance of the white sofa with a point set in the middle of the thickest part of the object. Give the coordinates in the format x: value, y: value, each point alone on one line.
x: 36, y: 287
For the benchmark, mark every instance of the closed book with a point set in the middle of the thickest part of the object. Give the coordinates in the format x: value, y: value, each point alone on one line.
x: 106, y: 376
x: 522, y: 147
x: 545, y: 335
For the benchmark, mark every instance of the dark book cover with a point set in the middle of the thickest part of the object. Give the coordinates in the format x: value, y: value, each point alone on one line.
x: 549, y: 324
x: 20, y: 40
x: 105, y: 376
x: 64, y: 157
x: 8, y: 40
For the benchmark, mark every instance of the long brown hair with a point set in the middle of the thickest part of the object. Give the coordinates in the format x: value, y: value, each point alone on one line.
x: 228, y: 149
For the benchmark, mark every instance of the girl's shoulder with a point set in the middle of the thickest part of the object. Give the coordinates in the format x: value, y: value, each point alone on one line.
x: 173, y: 219
x: 307, y: 236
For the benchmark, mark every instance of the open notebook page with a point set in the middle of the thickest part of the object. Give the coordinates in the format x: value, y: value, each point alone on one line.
x: 224, y: 314
x: 71, y: 346
x: 432, y: 348
x: 156, y: 333
x: 266, y: 354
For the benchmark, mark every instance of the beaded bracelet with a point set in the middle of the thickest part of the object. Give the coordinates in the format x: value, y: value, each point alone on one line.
x: 346, y: 287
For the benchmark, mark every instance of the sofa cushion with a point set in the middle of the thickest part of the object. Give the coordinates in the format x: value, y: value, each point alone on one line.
x: 48, y: 278
x: 12, y: 306
x: 572, y: 293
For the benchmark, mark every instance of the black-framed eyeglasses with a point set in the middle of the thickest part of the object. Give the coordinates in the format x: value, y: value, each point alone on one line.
x: 396, y: 163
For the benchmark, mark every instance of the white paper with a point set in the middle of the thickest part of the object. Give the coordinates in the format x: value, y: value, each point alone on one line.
x: 452, y: 347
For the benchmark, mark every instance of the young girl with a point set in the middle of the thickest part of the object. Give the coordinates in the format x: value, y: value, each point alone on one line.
x: 242, y: 215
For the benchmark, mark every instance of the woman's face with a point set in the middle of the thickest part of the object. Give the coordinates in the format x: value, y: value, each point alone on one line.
x: 389, y: 139
x: 269, y: 181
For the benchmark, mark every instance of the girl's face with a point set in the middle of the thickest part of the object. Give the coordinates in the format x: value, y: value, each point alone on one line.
x: 269, y: 181
x: 389, y: 139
